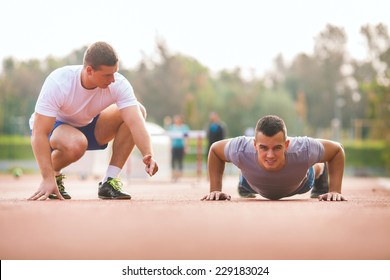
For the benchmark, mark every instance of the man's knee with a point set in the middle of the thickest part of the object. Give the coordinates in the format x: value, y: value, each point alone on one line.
x: 76, y: 151
x: 73, y: 149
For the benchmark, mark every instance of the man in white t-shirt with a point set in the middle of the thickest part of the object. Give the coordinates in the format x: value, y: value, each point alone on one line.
x: 83, y: 107
x: 276, y: 166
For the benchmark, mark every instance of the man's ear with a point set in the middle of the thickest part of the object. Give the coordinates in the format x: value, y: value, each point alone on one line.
x: 287, y: 143
x: 89, y: 70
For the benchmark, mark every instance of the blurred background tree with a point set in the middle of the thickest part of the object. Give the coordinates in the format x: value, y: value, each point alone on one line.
x: 323, y: 94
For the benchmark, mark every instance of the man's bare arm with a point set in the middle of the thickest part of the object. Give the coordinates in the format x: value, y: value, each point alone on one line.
x: 335, y: 157
x: 216, y: 168
x: 42, y: 151
x: 134, y: 120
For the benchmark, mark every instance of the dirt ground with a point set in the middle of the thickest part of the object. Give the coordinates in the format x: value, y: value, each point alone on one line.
x: 167, y: 221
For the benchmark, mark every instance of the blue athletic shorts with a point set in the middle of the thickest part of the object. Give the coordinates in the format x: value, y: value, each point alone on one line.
x: 304, y: 189
x: 309, y: 182
x: 88, y: 131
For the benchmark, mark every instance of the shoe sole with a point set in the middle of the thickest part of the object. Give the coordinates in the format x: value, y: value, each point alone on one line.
x: 247, y: 195
x: 115, y: 198
x: 315, y: 195
x: 244, y: 194
x: 55, y: 197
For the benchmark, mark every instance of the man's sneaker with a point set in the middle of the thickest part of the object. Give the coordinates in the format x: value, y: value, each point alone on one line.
x: 61, y: 188
x: 243, y: 192
x: 321, y: 185
x: 112, y: 189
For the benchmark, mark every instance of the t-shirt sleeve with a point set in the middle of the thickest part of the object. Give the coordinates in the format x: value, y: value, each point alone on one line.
x: 232, y: 149
x: 316, y: 150
x: 50, y: 99
x: 125, y: 94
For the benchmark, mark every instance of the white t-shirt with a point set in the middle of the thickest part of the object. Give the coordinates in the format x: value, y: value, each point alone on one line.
x: 301, y: 154
x: 62, y: 96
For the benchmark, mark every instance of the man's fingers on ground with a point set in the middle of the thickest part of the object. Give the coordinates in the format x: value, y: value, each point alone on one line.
x: 331, y: 197
x: 43, y: 197
x: 323, y: 197
x: 35, y: 196
x: 206, y: 197
x: 56, y: 192
x: 216, y: 196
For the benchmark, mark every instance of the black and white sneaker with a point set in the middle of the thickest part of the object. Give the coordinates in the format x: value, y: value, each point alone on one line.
x: 61, y: 188
x: 321, y: 185
x: 112, y: 189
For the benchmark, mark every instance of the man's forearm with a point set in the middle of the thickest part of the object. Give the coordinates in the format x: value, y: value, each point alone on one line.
x: 42, y: 152
x: 216, y: 168
x: 143, y: 141
x: 336, y: 171
x: 136, y: 124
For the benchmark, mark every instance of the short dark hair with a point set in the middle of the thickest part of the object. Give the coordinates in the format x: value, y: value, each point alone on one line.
x: 271, y: 125
x: 100, y: 53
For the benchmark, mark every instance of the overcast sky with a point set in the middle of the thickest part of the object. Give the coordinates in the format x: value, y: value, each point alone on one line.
x: 220, y: 34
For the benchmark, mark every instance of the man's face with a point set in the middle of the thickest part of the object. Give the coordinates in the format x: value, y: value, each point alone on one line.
x: 103, y: 76
x: 271, y: 150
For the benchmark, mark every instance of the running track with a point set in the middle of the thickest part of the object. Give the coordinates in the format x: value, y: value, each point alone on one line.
x: 167, y: 221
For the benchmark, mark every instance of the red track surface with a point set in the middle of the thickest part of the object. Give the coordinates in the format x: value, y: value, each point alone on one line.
x: 167, y: 221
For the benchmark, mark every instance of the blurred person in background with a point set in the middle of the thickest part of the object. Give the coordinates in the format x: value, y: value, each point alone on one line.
x: 179, y: 132
x: 215, y: 130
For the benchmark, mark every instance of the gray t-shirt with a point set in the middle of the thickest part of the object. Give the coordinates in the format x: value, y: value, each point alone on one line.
x: 302, y: 153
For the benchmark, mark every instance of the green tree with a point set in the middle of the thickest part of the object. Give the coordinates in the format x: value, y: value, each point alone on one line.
x: 175, y: 84
x: 377, y: 86
x: 20, y: 84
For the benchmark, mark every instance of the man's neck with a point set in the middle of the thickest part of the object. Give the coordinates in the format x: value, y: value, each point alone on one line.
x: 84, y: 80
